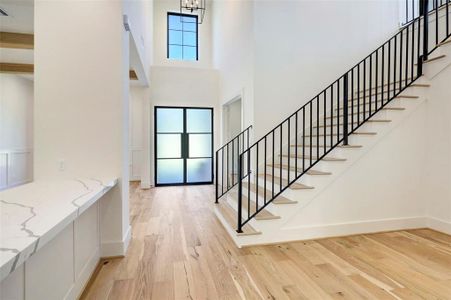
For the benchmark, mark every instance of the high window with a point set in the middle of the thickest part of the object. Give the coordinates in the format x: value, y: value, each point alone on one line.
x: 182, y: 37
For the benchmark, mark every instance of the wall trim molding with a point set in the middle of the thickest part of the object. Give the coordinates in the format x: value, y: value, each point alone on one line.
x: 302, y: 233
x: 6, y: 169
x: 439, y: 225
x: 116, y: 248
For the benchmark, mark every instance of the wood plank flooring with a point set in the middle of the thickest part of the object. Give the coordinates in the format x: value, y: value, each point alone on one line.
x: 179, y: 250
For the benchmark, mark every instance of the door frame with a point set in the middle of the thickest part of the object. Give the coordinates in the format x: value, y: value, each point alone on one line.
x: 184, y: 159
x: 225, y: 123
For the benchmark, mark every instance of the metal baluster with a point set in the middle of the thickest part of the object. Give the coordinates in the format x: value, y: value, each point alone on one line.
x: 332, y: 115
x: 288, y: 150
x: 383, y: 75
x: 338, y: 109
x: 311, y: 133
x: 425, y: 29
x: 436, y: 22
x: 364, y: 90
x: 296, y: 145
x: 352, y: 99
x: 345, y: 110
x: 264, y: 199
x: 256, y: 178
x: 377, y: 80
x: 216, y: 178
x: 395, y: 58
x: 248, y: 182
x: 240, y: 193
x: 447, y: 18
x: 400, y: 60
x: 324, y: 123
x: 388, y: 71
x: 303, y: 139
x: 273, y: 154
x: 358, y: 95
x: 280, y: 158
x: 407, y: 56
x: 412, y: 54
x: 317, y: 126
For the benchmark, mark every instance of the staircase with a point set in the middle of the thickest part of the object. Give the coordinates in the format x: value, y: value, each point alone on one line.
x: 277, y: 176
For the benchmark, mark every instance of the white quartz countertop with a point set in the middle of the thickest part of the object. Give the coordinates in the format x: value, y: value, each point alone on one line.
x: 33, y: 214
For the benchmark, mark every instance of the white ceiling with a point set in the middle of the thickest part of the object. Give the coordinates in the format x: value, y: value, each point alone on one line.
x: 21, y: 16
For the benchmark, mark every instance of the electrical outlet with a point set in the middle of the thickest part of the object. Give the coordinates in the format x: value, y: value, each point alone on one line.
x: 62, y: 165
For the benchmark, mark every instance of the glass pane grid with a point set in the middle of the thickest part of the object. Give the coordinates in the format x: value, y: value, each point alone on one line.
x: 182, y: 37
x: 183, y: 148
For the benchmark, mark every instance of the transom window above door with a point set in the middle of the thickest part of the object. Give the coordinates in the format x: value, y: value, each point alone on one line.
x: 182, y: 37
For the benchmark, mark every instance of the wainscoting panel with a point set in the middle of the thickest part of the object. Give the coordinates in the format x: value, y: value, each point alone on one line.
x: 135, y: 164
x: 3, y: 171
x: 16, y: 167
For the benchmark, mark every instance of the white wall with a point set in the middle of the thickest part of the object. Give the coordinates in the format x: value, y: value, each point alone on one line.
x: 161, y: 8
x: 285, y: 52
x: 16, y: 130
x: 137, y: 115
x: 436, y: 169
x: 233, y: 53
x: 81, y: 102
x: 303, y: 46
x: 183, y: 87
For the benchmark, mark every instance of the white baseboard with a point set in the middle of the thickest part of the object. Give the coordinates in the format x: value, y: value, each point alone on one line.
x: 333, y: 230
x: 109, y: 249
x: 439, y: 225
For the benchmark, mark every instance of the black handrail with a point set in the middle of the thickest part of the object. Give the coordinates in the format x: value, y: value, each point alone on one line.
x: 229, y: 162
x: 374, y: 82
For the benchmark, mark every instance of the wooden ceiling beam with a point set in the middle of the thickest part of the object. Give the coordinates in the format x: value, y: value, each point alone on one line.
x: 16, y: 68
x: 16, y: 40
x: 133, y: 75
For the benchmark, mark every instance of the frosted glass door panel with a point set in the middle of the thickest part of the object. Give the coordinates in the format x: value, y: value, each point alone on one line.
x: 170, y: 120
x: 200, y: 145
x: 183, y: 145
x: 199, y: 170
x: 169, y: 145
x: 170, y: 171
x: 198, y: 120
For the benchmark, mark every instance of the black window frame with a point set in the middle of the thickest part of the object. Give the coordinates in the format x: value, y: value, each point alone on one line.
x: 182, y: 45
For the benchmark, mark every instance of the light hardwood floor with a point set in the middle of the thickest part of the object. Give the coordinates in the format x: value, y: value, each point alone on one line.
x: 179, y: 250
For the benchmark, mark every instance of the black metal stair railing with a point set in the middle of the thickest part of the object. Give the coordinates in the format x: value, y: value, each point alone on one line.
x: 303, y: 139
x: 227, y: 162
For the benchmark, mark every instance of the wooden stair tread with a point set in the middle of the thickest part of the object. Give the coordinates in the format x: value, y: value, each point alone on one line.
x: 322, y: 146
x: 326, y: 158
x: 444, y: 43
x: 230, y: 216
x: 379, y: 121
x: 386, y: 84
x: 264, y: 214
x: 364, y: 133
x: 261, y: 192
x: 356, y: 133
x: 434, y: 58
x: 350, y: 123
x: 367, y: 107
x: 361, y: 112
x: 292, y: 168
x: 407, y: 97
x: 293, y: 186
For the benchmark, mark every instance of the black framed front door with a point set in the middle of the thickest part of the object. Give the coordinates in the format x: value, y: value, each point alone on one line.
x: 183, y: 145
